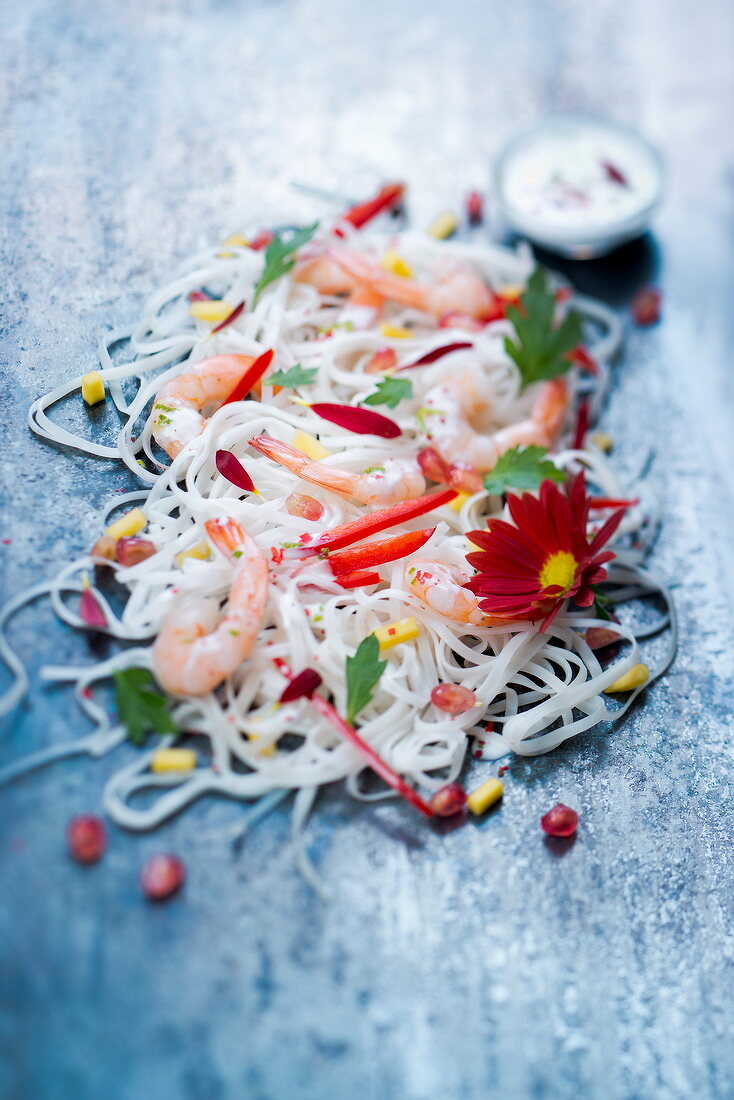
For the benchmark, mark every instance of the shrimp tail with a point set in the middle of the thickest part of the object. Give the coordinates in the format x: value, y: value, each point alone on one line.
x: 226, y: 534
x: 339, y: 481
x: 551, y: 406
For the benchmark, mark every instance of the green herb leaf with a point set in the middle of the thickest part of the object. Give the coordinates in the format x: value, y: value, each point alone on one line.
x: 602, y: 603
x: 541, y: 349
x: 279, y: 257
x: 296, y: 376
x: 390, y: 392
x: 521, y: 468
x: 364, y: 669
x: 140, y: 707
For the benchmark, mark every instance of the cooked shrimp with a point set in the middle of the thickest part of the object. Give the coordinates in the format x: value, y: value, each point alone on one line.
x: 439, y: 586
x: 453, y: 408
x: 395, y: 480
x: 459, y: 287
x: 197, y: 648
x: 179, y: 412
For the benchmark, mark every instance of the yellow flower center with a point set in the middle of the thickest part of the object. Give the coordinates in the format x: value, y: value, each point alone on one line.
x: 559, y: 569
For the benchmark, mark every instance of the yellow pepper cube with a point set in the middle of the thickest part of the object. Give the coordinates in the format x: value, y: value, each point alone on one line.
x: 459, y: 501
x: 402, y: 630
x: 309, y: 445
x: 636, y: 677
x: 201, y: 551
x: 93, y: 390
x: 394, y: 332
x: 602, y: 440
x: 173, y: 760
x: 511, y: 292
x: 485, y: 796
x: 236, y: 239
x: 394, y: 263
x: 443, y: 226
x: 213, y: 312
x: 129, y: 524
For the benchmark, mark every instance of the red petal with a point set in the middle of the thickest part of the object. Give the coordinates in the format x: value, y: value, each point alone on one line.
x: 606, y: 532
x: 361, y: 421
x: 90, y: 610
x: 229, y: 318
x: 304, y: 684
x: 232, y: 469
x: 437, y: 353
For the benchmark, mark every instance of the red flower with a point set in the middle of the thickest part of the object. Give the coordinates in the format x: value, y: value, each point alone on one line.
x: 528, y: 570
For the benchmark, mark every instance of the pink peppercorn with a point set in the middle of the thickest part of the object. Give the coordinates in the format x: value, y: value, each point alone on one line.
x: 86, y: 837
x: 449, y: 800
x: 161, y: 875
x: 560, y: 821
x: 453, y: 699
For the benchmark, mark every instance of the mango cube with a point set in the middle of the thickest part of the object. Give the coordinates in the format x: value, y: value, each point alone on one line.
x: 93, y: 390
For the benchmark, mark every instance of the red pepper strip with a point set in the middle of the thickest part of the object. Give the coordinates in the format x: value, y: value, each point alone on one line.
x: 350, y: 734
x: 262, y: 240
x: 581, y: 358
x: 354, y: 419
x: 372, y: 524
x: 379, y: 553
x: 359, y: 579
x: 252, y: 375
x: 389, y: 195
x: 229, y: 318
x: 611, y: 502
x: 437, y: 353
x: 582, y: 424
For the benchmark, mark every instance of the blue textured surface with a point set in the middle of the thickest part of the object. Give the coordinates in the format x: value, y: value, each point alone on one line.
x: 463, y: 964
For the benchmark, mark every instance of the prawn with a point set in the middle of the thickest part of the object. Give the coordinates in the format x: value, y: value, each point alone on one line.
x: 439, y: 586
x: 197, y: 648
x: 459, y: 288
x: 178, y: 413
x: 450, y: 407
x: 397, y: 479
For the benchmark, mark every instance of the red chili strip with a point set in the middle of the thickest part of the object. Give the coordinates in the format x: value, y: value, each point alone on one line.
x: 90, y: 610
x: 350, y: 734
x: 437, y: 353
x: 372, y: 524
x: 232, y: 469
x: 611, y: 502
x: 252, y: 375
x: 229, y: 319
x: 379, y: 553
x: 580, y: 357
x: 582, y: 424
x: 304, y: 684
x: 361, y: 421
x: 359, y: 579
x: 388, y: 196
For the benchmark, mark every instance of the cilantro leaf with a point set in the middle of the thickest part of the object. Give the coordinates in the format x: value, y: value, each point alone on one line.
x: 521, y: 468
x: 296, y: 376
x: 140, y: 707
x: 364, y: 669
x: 390, y: 392
x: 541, y: 349
x: 279, y: 257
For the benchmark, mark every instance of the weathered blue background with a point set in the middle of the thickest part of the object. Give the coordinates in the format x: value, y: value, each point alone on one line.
x: 468, y: 965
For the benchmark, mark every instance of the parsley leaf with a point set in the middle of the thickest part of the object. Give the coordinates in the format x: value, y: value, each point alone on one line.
x: 390, y: 392
x: 602, y: 603
x: 521, y: 468
x: 364, y: 669
x: 541, y: 349
x: 279, y: 258
x: 140, y: 707
x: 296, y: 376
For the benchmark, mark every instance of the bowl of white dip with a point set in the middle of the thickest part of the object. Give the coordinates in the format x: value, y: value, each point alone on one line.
x: 578, y: 186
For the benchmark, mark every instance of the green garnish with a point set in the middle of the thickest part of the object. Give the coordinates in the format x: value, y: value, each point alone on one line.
x: 364, y: 669
x: 390, y: 392
x: 424, y: 412
x: 602, y: 603
x: 139, y: 707
x: 375, y: 470
x: 279, y: 258
x: 521, y: 468
x: 541, y: 350
x: 296, y: 376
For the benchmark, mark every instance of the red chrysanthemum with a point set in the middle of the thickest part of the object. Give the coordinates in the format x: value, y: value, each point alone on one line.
x: 528, y: 570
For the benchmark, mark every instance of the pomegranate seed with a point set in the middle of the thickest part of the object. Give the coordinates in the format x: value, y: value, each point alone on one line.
x: 131, y: 550
x: 560, y: 821
x: 449, y: 800
x: 87, y: 838
x: 300, y: 504
x: 645, y: 307
x: 453, y: 699
x: 384, y: 359
x: 474, y: 208
x: 161, y: 875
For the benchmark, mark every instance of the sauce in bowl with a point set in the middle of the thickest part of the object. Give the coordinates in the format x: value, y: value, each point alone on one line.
x: 579, y: 186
